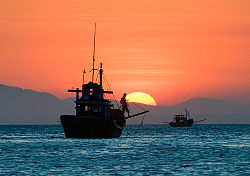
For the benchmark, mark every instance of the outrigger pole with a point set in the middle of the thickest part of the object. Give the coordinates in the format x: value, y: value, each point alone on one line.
x: 200, y: 120
x: 136, y: 115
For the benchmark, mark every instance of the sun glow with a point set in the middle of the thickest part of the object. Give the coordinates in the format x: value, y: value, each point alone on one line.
x: 141, y: 97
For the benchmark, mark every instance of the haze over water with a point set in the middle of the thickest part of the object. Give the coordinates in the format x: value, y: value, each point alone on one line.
x: 141, y: 150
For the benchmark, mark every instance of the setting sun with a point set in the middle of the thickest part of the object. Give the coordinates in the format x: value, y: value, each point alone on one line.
x: 141, y: 97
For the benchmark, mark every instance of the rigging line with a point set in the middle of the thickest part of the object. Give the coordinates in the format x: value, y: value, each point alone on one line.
x: 140, y: 125
x: 139, y: 106
x: 106, y: 96
x: 106, y: 84
x: 142, y: 120
x: 138, y: 128
x: 110, y: 89
x: 105, y: 81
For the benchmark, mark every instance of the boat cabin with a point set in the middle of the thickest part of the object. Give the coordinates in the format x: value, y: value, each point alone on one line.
x: 91, y: 101
x: 179, y: 118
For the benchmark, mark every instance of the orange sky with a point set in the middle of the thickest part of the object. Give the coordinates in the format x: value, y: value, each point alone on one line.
x: 172, y: 50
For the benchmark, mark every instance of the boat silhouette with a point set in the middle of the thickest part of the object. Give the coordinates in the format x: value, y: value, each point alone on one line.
x: 181, y: 120
x: 96, y: 117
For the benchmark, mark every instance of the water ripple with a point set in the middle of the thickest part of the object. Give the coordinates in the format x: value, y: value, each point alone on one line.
x: 153, y: 149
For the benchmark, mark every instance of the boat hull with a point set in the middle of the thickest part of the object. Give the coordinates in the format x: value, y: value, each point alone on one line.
x: 86, y: 127
x: 189, y: 123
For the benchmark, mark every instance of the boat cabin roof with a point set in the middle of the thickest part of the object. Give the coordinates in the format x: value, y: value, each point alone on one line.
x: 179, y: 115
x: 91, y: 85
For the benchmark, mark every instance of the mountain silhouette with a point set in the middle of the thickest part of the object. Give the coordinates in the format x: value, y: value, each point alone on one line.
x: 23, y: 106
x: 215, y: 111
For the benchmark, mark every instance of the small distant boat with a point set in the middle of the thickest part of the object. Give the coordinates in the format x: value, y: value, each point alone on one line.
x: 181, y: 120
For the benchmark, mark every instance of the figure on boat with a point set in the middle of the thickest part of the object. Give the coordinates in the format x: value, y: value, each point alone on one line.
x: 124, y: 104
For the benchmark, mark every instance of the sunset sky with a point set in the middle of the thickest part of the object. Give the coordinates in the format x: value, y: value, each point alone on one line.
x: 172, y: 50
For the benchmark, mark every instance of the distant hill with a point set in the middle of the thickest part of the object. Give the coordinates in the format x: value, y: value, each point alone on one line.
x: 215, y: 111
x: 22, y: 106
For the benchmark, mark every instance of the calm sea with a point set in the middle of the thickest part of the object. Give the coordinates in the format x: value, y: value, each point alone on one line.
x: 141, y: 150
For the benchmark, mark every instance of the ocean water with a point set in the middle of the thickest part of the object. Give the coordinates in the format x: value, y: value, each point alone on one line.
x: 141, y: 150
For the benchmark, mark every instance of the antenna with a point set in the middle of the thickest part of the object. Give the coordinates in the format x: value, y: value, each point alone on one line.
x: 83, y: 72
x: 93, y: 69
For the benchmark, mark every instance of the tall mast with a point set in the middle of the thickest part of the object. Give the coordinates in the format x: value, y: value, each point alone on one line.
x: 93, y: 69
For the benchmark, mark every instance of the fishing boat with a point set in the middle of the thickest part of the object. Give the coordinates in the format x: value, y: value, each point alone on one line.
x: 95, y: 117
x: 181, y: 120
